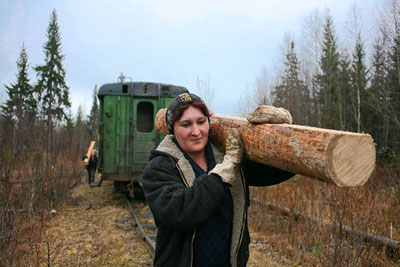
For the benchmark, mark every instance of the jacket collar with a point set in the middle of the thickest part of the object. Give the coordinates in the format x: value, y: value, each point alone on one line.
x: 168, y: 146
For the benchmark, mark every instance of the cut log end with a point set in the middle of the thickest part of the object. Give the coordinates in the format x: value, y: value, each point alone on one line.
x: 351, y: 159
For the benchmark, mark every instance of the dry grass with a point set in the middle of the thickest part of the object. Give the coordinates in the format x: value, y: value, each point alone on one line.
x: 371, y: 208
x: 93, y: 228
x: 26, y: 198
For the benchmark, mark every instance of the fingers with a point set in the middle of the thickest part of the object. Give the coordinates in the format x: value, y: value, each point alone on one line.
x: 234, y: 145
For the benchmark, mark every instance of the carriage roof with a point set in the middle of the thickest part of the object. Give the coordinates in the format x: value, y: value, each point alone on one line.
x: 141, y: 89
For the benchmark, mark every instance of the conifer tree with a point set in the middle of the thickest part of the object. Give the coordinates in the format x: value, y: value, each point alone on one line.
x: 93, y: 120
x: 20, y: 108
x: 360, y: 97
x: 51, y: 87
x: 69, y: 125
x: 394, y: 95
x: 329, y: 90
x: 380, y: 94
x: 80, y: 132
x: 20, y: 102
x: 292, y: 93
x: 343, y: 106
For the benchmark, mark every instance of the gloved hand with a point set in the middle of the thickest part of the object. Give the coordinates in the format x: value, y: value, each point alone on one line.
x: 233, y: 156
x: 270, y: 114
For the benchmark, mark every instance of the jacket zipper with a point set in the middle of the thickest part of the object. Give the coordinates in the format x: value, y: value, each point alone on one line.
x: 194, y: 233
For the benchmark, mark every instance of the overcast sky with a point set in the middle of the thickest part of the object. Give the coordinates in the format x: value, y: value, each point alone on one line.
x: 227, y: 42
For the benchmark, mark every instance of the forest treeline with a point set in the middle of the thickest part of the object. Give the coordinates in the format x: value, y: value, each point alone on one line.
x: 346, y: 85
x: 41, y: 146
x: 352, y: 87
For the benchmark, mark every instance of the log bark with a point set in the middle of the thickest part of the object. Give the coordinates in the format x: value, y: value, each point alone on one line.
x: 337, y: 157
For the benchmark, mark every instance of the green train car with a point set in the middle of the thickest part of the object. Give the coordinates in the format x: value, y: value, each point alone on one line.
x: 126, y: 127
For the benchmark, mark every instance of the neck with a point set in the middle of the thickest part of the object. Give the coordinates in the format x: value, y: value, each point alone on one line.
x: 200, y: 159
x: 197, y: 155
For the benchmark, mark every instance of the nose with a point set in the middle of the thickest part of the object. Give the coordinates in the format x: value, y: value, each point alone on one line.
x: 195, y: 130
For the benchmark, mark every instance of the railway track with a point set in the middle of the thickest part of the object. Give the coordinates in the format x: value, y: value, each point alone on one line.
x: 144, y: 223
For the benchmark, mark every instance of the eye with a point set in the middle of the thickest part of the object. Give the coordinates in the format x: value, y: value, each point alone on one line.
x: 185, y: 125
x: 201, y: 121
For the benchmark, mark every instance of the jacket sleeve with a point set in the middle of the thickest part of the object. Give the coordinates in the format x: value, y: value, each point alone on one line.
x: 172, y: 203
x: 257, y: 174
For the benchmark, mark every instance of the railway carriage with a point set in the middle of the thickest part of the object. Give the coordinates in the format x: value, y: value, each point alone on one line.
x: 126, y: 127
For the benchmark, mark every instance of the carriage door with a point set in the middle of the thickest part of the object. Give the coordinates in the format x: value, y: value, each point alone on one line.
x: 144, y: 131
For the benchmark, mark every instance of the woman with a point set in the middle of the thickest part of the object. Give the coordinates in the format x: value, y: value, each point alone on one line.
x: 91, y: 167
x: 197, y: 194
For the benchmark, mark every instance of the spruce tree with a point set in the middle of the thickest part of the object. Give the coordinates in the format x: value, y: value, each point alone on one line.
x: 380, y: 94
x: 329, y: 90
x: 21, y: 101
x: 20, y: 108
x: 51, y: 87
x: 359, y: 84
x: 394, y: 96
x: 343, y: 105
x: 292, y: 93
x: 93, y: 119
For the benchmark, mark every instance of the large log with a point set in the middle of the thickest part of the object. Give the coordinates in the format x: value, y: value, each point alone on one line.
x: 89, y: 152
x: 338, y: 157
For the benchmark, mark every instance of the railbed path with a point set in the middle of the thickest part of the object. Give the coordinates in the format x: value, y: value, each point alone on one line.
x: 93, y: 228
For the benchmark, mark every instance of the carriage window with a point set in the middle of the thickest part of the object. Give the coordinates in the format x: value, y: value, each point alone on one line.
x: 124, y: 88
x: 165, y: 90
x: 145, y: 118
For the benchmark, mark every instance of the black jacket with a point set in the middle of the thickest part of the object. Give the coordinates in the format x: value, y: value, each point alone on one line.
x: 92, y: 164
x: 180, y: 203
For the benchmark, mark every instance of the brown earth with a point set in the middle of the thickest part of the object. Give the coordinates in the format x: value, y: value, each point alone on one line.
x: 93, y: 228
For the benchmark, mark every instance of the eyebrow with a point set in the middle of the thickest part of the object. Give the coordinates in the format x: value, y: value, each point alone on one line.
x: 188, y: 120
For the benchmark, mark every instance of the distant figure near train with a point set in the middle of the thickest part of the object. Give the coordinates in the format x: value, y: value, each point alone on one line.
x: 91, y: 167
x: 199, y: 195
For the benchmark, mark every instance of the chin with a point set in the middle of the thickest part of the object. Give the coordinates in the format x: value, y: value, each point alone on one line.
x: 197, y: 148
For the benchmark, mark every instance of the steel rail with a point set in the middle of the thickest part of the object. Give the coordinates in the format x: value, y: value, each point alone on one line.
x: 141, y: 229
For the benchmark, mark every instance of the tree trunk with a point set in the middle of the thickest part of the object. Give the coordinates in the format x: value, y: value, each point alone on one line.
x: 338, y: 157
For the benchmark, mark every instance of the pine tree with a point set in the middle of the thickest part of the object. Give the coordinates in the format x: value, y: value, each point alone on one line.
x: 80, y: 132
x: 93, y: 119
x: 394, y: 95
x: 292, y: 93
x: 20, y: 108
x: 20, y: 101
x: 51, y: 87
x: 329, y: 90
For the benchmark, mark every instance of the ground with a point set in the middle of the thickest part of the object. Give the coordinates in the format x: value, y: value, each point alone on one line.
x: 93, y: 228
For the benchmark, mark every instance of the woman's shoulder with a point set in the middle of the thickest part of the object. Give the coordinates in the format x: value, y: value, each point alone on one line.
x: 161, y: 161
x: 161, y: 167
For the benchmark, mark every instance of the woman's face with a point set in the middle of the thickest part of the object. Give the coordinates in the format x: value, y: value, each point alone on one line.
x: 191, y: 130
